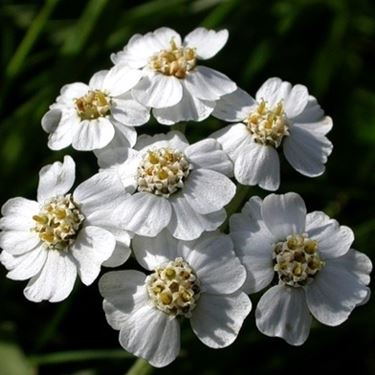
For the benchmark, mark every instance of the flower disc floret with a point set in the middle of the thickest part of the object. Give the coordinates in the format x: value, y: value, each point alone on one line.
x: 163, y: 171
x: 175, y: 61
x: 58, y: 222
x: 93, y: 105
x: 297, y: 260
x: 268, y: 126
x: 174, y: 288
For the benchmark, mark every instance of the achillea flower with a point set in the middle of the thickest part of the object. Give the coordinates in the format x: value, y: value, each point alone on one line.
x: 174, y: 83
x: 60, y: 235
x: 173, y: 184
x: 90, y: 116
x: 280, y: 114
x: 198, y: 280
x: 311, y: 257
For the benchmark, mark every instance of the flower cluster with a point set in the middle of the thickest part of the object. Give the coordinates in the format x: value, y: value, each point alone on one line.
x: 162, y: 200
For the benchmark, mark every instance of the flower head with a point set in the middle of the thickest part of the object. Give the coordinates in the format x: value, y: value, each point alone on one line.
x: 174, y: 83
x: 198, y: 280
x: 51, y: 240
x: 173, y: 184
x: 310, y: 257
x: 281, y: 115
x: 91, y: 116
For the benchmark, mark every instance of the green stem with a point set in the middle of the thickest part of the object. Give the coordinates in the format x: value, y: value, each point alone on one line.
x: 140, y: 367
x: 29, y: 39
x: 78, y: 356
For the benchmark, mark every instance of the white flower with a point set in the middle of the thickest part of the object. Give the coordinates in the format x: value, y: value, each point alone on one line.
x: 281, y: 114
x: 199, y: 280
x: 310, y: 255
x: 89, y: 116
x: 61, y: 234
x: 176, y: 186
x: 174, y: 84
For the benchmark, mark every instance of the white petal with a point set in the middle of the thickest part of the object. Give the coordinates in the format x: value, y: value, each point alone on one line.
x: 120, y: 79
x: 296, y: 101
x: 234, y: 139
x: 97, y: 80
x: 307, y: 151
x: 173, y: 139
x: 63, y: 134
x: 100, y: 192
x: 92, y: 247
x: 18, y: 242
x: 189, y: 108
x: 358, y: 264
x: 151, y: 334
x: 208, y: 154
x: 129, y: 112
x: 217, y: 319
x: 319, y: 127
x: 187, y: 224
x: 282, y: 312
x: 206, y: 42
x: 56, y: 179
x: 146, y: 214
x: 312, y: 112
x: 73, y: 91
x: 337, y: 289
x: 158, y: 91
x: 208, y: 191
x: 164, y: 36
x: 258, y: 165
x: 124, y: 292
x: 92, y: 134
x: 284, y: 214
x: 273, y: 91
x: 18, y: 214
x: 125, y: 136
x: 215, y: 263
x: 234, y: 107
x: 257, y: 259
x: 138, y: 51
x: 208, y: 84
x: 120, y: 255
x: 151, y: 252
x: 27, y: 265
x: 333, y: 240
x: 51, y: 120
x: 55, y: 281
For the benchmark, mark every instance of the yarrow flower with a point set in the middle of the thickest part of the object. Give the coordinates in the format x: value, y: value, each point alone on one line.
x: 173, y: 83
x: 198, y: 280
x: 310, y: 256
x: 63, y: 234
x: 90, y: 116
x: 175, y: 186
x: 280, y: 114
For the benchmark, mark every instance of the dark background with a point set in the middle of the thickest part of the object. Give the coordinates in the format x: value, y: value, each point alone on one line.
x: 327, y: 45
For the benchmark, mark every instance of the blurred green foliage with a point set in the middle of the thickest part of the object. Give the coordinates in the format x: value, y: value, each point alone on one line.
x: 328, y: 45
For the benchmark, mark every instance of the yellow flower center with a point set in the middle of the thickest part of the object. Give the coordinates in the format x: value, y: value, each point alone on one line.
x: 175, y: 61
x: 297, y: 260
x: 93, y: 105
x: 174, y: 288
x: 163, y: 171
x: 58, y: 222
x: 268, y: 126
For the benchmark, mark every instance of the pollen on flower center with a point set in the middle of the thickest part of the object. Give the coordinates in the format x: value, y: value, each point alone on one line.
x: 175, y: 61
x: 297, y: 260
x: 174, y: 288
x: 268, y: 126
x: 58, y: 222
x: 162, y: 171
x: 93, y: 105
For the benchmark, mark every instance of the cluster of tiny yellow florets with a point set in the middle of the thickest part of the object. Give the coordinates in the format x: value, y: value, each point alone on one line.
x: 93, y: 105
